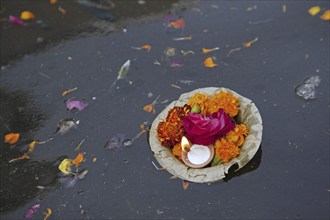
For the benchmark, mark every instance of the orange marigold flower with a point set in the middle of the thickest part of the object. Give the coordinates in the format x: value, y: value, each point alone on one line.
x: 224, y: 100
x: 177, y: 151
x: 237, y: 135
x: 226, y: 150
x: 199, y: 99
x: 170, y: 131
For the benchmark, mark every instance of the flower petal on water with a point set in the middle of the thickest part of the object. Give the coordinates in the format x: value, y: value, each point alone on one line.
x: 32, y: 211
x: 79, y: 158
x: 78, y: 104
x: 178, y: 24
x: 47, y: 213
x: 326, y: 15
x: 11, y: 138
x: 27, y: 15
x: 209, y: 63
x: 24, y: 156
x: 15, y: 20
x: 314, y: 10
x: 65, y: 166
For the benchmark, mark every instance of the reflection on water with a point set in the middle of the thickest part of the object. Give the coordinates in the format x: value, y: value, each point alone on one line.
x: 250, y: 166
x: 21, y: 180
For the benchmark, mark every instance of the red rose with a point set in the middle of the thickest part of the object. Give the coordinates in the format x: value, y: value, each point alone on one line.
x: 206, y: 129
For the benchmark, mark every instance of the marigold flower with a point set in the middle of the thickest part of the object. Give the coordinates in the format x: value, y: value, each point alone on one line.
x: 226, y: 150
x: 177, y: 151
x: 224, y: 100
x: 237, y: 135
x: 170, y: 131
x: 199, y: 99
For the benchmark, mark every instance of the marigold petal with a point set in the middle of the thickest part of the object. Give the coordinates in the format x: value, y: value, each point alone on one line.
x: 79, y: 158
x: 208, y: 62
x: 326, y: 15
x: 12, y: 138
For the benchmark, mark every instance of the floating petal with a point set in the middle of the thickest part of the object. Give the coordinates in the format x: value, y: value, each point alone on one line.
x: 208, y: 62
x: 32, y: 211
x: 79, y: 158
x: 11, y: 138
x: 65, y: 166
x: 78, y: 104
x: 178, y: 24
x: 326, y: 15
x: 27, y: 15
x: 314, y: 10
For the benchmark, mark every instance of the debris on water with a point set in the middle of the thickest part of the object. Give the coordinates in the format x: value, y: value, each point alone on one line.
x: 185, y: 81
x: 184, y: 53
x: 122, y: 73
x: 151, y: 107
x: 209, y: 62
x: 182, y: 38
x: 24, y: 156
x: 76, y: 104
x: 47, y: 213
x: 249, y: 44
x: 206, y: 51
x: 143, y: 47
x: 69, y: 181
x: 12, y: 138
x: 128, y: 142
x: 27, y: 15
x: 65, y: 125
x: 32, y: 211
x: 233, y: 51
x: 40, y: 40
x: 175, y: 86
x: 81, y: 175
x: 65, y: 92
x: 306, y: 90
x: 15, y: 20
x: 115, y: 142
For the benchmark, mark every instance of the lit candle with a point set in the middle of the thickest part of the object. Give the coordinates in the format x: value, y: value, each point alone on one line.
x: 198, y: 154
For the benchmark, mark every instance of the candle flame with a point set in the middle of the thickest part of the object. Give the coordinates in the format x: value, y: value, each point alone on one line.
x: 185, y: 144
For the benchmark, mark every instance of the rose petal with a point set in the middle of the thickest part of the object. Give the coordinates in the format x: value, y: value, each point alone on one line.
x: 78, y: 104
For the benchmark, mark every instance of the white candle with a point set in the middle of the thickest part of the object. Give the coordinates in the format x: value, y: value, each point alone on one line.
x: 198, y: 154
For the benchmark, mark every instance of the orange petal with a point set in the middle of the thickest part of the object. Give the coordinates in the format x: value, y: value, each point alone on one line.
x: 326, y: 15
x: 24, y: 156
x: 180, y: 23
x: 62, y: 10
x: 11, y: 138
x: 27, y: 15
x: 208, y: 62
x: 249, y: 44
x: 48, y: 213
x: 65, y: 92
x: 205, y: 51
x: 148, y: 108
x: 185, y: 184
x: 32, y: 146
x: 79, y: 158
x: 147, y: 47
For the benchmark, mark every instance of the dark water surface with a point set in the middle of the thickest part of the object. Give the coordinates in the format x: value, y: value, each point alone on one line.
x: 287, y: 179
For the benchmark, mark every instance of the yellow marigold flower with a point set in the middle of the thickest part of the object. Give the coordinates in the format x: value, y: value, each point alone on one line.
x: 226, y: 150
x: 223, y: 100
x: 177, y: 151
x: 241, y: 129
x: 199, y: 99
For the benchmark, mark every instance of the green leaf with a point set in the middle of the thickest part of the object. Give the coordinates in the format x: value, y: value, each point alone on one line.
x: 216, y: 160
